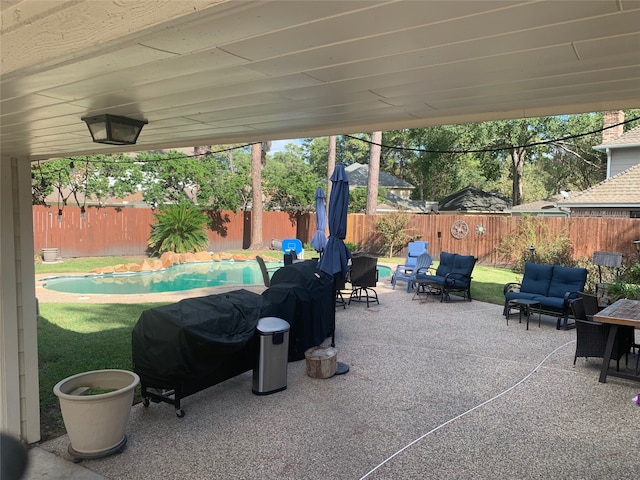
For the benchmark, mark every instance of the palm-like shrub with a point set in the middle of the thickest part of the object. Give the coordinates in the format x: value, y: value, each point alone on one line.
x: 180, y: 228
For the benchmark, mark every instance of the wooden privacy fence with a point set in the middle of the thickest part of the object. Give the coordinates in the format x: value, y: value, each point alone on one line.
x: 108, y: 231
x: 124, y: 231
x: 587, y: 234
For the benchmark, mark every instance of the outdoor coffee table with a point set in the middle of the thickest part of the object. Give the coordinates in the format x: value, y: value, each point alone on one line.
x: 527, y: 305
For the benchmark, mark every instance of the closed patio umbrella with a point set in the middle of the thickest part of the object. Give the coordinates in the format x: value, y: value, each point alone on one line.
x: 336, y: 256
x: 335, y: 259
x: 319, y: 241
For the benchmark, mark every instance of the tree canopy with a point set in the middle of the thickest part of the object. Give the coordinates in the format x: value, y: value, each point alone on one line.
x: 525, y: 159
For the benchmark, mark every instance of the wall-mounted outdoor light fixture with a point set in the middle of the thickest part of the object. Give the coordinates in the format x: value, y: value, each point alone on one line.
x: 114, y: 130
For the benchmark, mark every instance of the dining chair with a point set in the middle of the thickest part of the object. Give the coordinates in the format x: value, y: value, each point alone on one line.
x: 591, y: 337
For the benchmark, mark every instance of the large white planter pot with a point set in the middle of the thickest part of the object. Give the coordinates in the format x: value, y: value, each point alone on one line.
x: 96, y: 424
x: 49, y: 254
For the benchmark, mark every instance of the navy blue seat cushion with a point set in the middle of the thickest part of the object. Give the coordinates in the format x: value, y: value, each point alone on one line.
x: 550, y: 303
x: 421, y: 277
x: 446, y: 264
x: 566, y: 279
x: 513, y: 295
x: 537, y: 278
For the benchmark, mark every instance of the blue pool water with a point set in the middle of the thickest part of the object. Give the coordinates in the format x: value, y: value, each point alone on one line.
x: 186, y: 276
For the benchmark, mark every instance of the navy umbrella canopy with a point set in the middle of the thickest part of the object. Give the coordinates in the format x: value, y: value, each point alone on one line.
x: 319, y: 241
x: 336, y: 255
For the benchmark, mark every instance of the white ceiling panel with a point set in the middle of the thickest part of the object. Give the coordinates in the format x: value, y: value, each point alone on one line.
x: 239, y: 71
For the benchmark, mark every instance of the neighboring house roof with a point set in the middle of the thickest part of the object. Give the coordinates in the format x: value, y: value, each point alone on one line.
x: 359, y: 173
x: 626, y: 140
x: 622, y: 190
x: 474, y: 199
x: 394, y: 202
x: 548, y: 206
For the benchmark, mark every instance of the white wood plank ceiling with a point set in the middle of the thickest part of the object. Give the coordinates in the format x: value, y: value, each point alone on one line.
x: 216, y: 72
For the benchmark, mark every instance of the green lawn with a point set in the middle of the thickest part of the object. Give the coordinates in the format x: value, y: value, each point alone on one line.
x: 76, y: 337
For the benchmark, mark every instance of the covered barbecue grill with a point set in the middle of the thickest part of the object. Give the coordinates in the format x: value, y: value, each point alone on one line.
x: 304, y: 297
x: 182, y: 348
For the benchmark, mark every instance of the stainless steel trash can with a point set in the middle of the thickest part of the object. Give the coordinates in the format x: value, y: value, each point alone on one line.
x: 270, y: 371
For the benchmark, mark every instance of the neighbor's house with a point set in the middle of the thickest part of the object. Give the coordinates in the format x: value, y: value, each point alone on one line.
x: 622, y: 149
x: 617, y: 196
x: 359, y: 173
x: 398, y: 195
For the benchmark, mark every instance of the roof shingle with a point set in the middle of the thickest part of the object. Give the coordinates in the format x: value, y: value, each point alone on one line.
x: 620, y: 190
x: 627, y: 139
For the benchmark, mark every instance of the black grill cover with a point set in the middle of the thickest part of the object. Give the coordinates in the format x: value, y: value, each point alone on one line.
x: 305, y: 298
x: 189, y: 339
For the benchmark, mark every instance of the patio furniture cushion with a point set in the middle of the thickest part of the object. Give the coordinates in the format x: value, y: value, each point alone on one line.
x: 537, y: 278
x: 566, y: 279
x: 446, y: 264
x: 462, y: 266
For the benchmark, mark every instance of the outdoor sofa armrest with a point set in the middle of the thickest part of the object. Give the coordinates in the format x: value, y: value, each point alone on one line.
x: 406, y: 269
x: 451, y: 277
x: 425, y: 270
x: 512, y: 287
x: 568, y: 297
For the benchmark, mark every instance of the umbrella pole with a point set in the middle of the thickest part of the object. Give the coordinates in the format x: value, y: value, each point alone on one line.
x: 341, y: 368
x: 335, y: 305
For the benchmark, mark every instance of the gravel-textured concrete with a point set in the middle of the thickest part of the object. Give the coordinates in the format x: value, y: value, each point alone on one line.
x: 434, y: 391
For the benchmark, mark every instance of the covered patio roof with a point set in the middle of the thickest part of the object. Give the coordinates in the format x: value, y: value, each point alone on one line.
x: 217, y: 72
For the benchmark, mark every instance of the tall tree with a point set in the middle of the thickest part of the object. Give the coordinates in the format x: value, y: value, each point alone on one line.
x: 513, y: 141
x: 433, y: 168
x: 258, y: 159
x: 373, y: 179
x: 289, y: 184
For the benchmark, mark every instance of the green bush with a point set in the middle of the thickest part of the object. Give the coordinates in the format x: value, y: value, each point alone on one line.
x: 351, y: 246
x: 631, y: 273
x: 180, y: 228
x: 515, y: 248
x: 393, y: 228
x: 619, y: 290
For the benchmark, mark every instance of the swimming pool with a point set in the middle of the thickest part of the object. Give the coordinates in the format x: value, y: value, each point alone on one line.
x: 186, y: 276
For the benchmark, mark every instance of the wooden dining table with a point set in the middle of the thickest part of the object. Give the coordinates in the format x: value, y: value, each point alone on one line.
x: 622, y: 312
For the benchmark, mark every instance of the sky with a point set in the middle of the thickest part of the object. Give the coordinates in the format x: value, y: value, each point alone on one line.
x: 278, y: 145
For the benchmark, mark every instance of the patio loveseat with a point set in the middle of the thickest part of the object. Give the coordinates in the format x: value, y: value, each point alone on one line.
x: 452, y: 275
x: 552, y: 286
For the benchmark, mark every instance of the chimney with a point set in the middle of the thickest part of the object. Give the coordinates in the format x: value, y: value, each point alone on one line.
x: 612, y: 118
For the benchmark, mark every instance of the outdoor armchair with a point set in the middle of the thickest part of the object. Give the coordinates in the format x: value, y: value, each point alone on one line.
x: 264, y: 270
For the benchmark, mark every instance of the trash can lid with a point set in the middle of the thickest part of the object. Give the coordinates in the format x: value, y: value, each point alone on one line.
x: 272, y: 324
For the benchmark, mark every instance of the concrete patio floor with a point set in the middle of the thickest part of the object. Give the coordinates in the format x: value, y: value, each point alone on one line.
x: 435, y: 390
